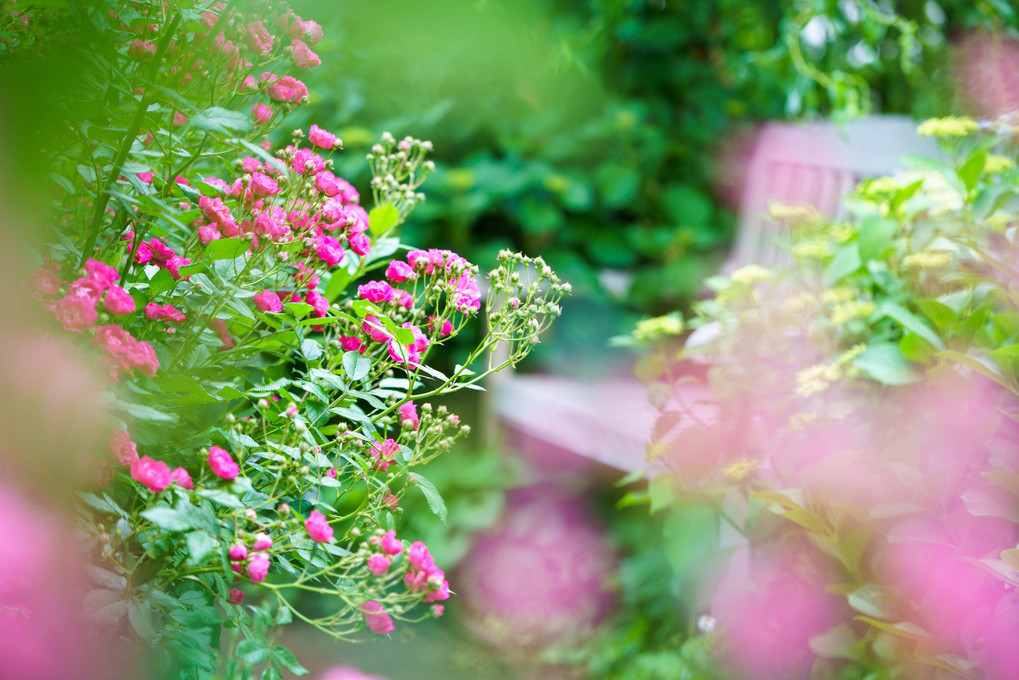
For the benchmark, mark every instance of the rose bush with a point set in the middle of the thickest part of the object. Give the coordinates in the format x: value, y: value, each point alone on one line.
x: 266, y: 339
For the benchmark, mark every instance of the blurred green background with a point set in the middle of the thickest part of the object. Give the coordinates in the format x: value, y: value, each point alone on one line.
x: 609, y: 137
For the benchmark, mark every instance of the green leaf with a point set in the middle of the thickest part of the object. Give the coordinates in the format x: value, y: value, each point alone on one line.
x: 253, y: 651
x: 161, y: 282
x: 286, y: 658
x: 218, y: 119
x: 911, y: 323
x: 200, y: 545
x: 885, y: 363
x: 356, y: 366
x: 940, y: 314
x: 970, y: 171
x: 141, y: 412
x: 382, y: 218
x: 661, y: 491
x: 846, y: 261
x: 140, y: 615
x: 338, y: 281
x: 432, y: 496
x: 220, y: 497
x: 311, y: 349
x: 834, y: 644
x: 166, y: 519
x: 689, y: 534
x: 299, y: 309
x: 875, y: 237
x: 227, y: 248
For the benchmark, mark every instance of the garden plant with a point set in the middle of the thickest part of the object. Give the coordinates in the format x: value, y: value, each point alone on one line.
x: 850, y: 509
x: 265, y: 341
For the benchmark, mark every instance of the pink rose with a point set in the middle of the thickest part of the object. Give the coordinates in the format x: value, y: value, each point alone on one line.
x: 399, y: 272
x: 179, y: 119
x: 208, y: 233
x: 409, y: 415
x: 375, y: 291
x: 181, y: 478
x: 359, y: 243
x: 351, y: 343
x: 160, y: 312
x: 377, y: 618
x: 249, y: 164
x: 238, y: 552
x: 328, y: 183
x: 257, y: 38
x: 318, y: 527
x: 154, y: 474
x: 160, y: 250
x: 236, y: 596
x: 76, y: 314
x: 263, y: 541
x: 383, y: 454
x: 261, y: 113
x: 124, y: 450
x: 323, y: 138
x: 319, y: 303
x: 258, y: 567
x: 390, y: 544
x: 222, y: 464
x: 144, y: 254
x: 307, y: 161
x: 308, y: 31
x: 444, y: 329
x: 329, y: 250
x: 267, y: 301
x: 378, y: 564
x: 118, y: 301
x: 100, y: 272
x: 304, y: 58
x: 86, y: 289
x: 419, y: 557
x: 142, y: 356
x: 263, y: 185
x: 374, y: 328
x: 287, y: 89
x: 403, y: 298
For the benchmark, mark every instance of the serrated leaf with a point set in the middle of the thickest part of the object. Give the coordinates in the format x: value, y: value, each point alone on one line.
x: 252, y: 651
x: 218, y: 119
x: 356, y: 366
x: 223, y: 498
x: 432, y: 496
x: 287, y: 659
x: 140, y: 616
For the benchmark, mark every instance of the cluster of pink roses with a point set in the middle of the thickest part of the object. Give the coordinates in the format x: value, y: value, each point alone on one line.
x: 154, y: 474
x: 77, y: 311
x: 257, y: 567
x: 422, y: 576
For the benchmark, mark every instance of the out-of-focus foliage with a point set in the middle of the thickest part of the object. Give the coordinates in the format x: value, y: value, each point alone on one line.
x: 865, y: 445
x: 605, y: 133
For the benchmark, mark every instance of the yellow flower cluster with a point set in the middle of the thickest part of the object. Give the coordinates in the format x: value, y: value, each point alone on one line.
x: 793, y: 213
x: 927, y: 259
x: 996, y: 163
x: 840, y: 233
x: 739, y: 470
x: 800, y: 302
x: 950, y: 126
x: 834, y: 296
x: 657, y: 327
x: 853, y: 309
x: 750, y: 274
x: 818, y: 378
x: 812, y: 250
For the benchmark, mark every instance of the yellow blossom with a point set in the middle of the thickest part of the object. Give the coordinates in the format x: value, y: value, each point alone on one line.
x: 833, y: 296
x: 927, y: 259
x: 996, y: 163
x: 950, y: 126
x: 750, y: 274
x: 840, y: 233
x: 739, y: 470
x: 793, y: 213
x: 815, y: 379
x: 799, y: 303
x: 659, y: 326
x: 854, y: 309
x: 812, y: 250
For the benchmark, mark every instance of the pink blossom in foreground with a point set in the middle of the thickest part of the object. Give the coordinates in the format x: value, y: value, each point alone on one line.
x: 262, y: 542
x: 261, y: 113
x: 45, y: 281
x: 75, y: 314
x: 318, y: 527
x: 258, y: 567
x: 378, y: 564
x: 375, y: 291
x: 287, y: 89
x: 322, y: 138
x: 351, y: 343
x: 309, y: 31
x: 102, y: 273
x: 263, y: 185
x: 222, y: 464
x: 118, y: 301
x: 409, y: 415
x: 376, y: 617
x: 257, y: 38
x: 181, y: 478
x: 329, y: 250
x: 383, y: 454
x: 348, y: 673
x: 163, y: 312
x: 267, y: 301
x: 399, y: 271
x: 238, y: 552
x: 389, y: 543
x: 304, y: 58
x: 155, y: 474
